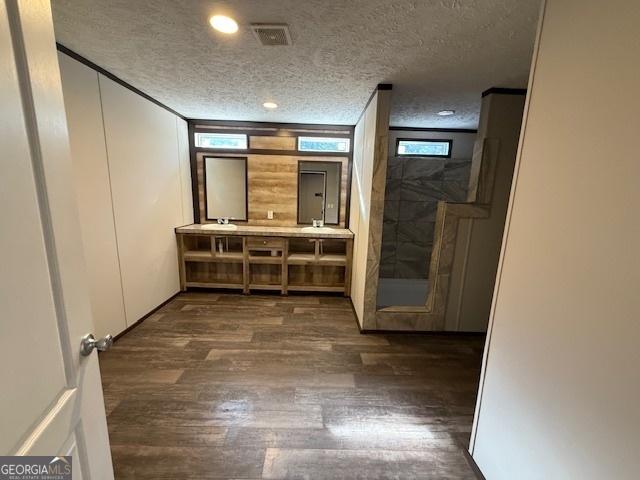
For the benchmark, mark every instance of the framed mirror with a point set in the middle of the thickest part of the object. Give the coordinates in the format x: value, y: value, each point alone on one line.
x: 225, y: 180
x: 319, y: 192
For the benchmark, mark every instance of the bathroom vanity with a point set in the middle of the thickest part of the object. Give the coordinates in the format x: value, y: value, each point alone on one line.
x: 249, y: 258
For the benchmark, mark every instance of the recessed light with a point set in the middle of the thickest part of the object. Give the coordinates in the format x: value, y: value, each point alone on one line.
x: 446, y: 113
x: 224, y: 24
x: 270, y: 105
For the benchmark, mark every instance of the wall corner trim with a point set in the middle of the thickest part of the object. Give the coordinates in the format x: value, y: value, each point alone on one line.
x: 472, y: 463
x: 504, y: 91
x: 380, y: 86
x: 431, y: 129
x: 111, y: 76
x: 144, y: 317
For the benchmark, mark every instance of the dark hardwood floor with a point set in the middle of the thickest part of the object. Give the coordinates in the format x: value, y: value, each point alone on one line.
x: 266, y: 387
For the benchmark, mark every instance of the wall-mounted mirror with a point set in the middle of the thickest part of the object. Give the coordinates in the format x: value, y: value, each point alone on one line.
x: 319, y: 191
x: 225, y: 180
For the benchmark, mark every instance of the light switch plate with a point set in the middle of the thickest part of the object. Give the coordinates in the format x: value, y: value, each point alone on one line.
x: 270, y: 214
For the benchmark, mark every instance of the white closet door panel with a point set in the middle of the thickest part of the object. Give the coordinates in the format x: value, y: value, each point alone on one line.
x: 93, y: 191
x: 185, y: 171
x: 142, y: 148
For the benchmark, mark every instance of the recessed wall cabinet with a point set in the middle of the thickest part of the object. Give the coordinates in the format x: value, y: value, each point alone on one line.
x: 284, y: 259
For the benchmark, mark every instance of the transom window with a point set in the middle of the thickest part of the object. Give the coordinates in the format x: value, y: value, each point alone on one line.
x: 235, y: 141
x: 423, y: 148
x: 323, y: 144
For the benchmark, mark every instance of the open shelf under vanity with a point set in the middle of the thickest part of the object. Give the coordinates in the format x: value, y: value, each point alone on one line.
x: 270, y: 260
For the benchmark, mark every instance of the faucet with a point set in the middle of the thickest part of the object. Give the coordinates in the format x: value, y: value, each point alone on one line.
x: 223, y: 221
x: 317, y: 223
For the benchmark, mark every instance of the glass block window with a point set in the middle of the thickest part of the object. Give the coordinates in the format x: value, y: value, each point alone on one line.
x: 235, y: 141
x: 323, y: 144
x: 423, y: 148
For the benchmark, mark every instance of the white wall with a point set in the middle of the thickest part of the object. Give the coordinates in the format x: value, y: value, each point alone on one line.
x: 361, y: 179
x: 93, y: 191
x: 133, y: 183
x: 142, y: 145
x: 561, y: 385
x: 479, y: 240
x: 185, y: 170
x: 368, y: 179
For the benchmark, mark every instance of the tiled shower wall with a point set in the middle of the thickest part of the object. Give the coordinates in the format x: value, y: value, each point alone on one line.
x: 414, y: 187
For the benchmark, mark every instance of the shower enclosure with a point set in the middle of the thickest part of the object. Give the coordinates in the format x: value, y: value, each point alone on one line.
x: 424, y: 167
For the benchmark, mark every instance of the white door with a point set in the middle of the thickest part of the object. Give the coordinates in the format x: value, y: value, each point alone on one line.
x: 51, y: 397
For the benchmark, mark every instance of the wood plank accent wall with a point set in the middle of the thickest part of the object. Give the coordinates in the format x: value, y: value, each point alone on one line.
x: 272, y: 143
x: 272, y: 177
x: 273, y: 185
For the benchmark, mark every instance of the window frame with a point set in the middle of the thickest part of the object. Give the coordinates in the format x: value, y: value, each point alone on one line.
x: 222, y: 135
x: 323, y: 137
x: 419, y: 155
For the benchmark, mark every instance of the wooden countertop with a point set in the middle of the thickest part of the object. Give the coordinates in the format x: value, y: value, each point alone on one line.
x: 266, y: 231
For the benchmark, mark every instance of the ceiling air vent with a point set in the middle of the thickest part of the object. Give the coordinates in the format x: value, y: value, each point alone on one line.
x: 272, y: 34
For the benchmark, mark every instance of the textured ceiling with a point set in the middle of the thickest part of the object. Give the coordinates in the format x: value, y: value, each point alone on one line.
x: 438, y: 54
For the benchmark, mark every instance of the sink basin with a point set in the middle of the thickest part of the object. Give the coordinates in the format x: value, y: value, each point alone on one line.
x: 317, y: 229
x: 215, y: 226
